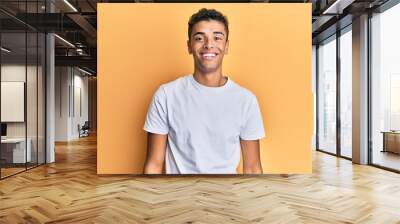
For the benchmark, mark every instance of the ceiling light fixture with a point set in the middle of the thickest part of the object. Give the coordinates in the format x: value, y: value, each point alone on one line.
x: 84, y: 71
x: 70, y: 5
x: 337, y: 7
x: 64, y: 40
x: 5, y: 50
x: 79, y: 51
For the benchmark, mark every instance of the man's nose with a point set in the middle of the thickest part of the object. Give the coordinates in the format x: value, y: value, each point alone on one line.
x: 209, y: 43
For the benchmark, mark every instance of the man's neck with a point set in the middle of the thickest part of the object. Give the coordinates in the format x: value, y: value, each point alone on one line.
x: 211, y: 79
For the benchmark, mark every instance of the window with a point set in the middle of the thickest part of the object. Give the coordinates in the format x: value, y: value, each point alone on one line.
x: 385, y: 88
x: 346, y: 93
x: 327, y: 95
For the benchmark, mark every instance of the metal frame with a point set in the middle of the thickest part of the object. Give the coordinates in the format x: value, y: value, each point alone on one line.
x: 369, y: 81
x: 317, y: 97
x: 45, y: 90
x: 26, y: 89
x: 338, y: 98
x: 0, y: 93
x: 37, y: 91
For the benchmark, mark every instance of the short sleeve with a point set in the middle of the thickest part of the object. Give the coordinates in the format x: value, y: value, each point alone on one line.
x: 156, y: 119
x: 253, y: 126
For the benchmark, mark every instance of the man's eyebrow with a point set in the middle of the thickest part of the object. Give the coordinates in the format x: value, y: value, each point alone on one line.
x: 219, y: 33
x: 202, y: 33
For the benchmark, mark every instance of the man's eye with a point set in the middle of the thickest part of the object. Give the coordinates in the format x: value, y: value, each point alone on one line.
x: 218, y: 38
x: 198, y: 38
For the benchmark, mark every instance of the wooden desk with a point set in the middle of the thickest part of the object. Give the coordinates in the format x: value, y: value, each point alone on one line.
x: 391, y: 141
x: 13, y: 150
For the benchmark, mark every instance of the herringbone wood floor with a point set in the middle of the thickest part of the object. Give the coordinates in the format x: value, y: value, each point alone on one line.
x: 69, y: 191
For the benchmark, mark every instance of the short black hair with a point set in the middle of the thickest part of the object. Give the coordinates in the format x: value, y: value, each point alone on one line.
x: 207, y: 15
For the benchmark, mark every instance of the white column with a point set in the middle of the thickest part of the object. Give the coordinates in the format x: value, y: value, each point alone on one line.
x: 360, y: 90
x: 50, y: 92
x: 50, y: 100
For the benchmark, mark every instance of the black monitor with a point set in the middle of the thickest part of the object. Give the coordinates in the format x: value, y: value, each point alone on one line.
x: 3, y: 129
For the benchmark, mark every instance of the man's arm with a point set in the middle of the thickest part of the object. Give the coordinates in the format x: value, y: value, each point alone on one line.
x: 251, y: 156
x: 156, y: 146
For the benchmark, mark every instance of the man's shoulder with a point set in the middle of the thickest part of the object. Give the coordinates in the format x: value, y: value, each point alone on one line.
x: 174, y: 84
x: 244, y: 92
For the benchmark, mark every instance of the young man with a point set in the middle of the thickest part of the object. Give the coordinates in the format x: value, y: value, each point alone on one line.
x: 198, y: 123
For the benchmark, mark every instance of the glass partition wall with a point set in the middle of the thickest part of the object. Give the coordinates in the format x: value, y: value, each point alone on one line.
x: 22, y: 88
x: 334, y: 80
x: 13, y: 90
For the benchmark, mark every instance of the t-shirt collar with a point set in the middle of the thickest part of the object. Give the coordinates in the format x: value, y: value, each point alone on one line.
x: 209, y: 88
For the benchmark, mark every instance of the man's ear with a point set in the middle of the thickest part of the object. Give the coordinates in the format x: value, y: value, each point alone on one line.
x: 188, y: 47
x: 227, y: 47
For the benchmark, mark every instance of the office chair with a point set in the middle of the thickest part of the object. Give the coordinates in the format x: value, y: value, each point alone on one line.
x: 84, y: 130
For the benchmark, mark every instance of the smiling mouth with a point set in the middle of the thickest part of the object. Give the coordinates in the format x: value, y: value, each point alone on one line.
x: 208, y: 56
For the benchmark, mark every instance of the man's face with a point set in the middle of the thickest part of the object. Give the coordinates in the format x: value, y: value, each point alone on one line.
x: 208, y: 45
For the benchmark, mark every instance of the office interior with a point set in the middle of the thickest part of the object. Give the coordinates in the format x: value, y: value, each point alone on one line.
x: 48, y: 83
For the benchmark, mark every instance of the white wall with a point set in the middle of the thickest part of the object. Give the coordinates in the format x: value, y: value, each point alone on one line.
x: 16, y: 73
x: 62, y: 78
x: 33, y: 127
x: 81, y: 84
x: 12, y: 73
x: 71, y: 93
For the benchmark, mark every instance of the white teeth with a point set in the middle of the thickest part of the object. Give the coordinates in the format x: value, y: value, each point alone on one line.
x: 209, y: 55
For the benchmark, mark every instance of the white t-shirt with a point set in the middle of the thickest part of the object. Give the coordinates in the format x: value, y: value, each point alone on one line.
x: 204, y: 125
